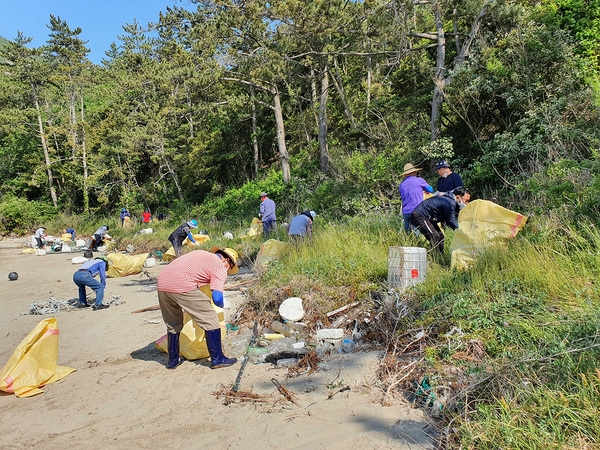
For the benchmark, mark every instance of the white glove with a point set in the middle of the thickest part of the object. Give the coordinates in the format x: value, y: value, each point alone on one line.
x: 196, y: 244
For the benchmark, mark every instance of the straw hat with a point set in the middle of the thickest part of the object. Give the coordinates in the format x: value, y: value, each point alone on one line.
x: 409, y: 168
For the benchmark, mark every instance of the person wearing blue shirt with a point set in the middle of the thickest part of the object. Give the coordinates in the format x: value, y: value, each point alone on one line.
x: 266, y: 214
x: 441, y: 209
x: 124, y: 213
x: 85, y: 276
x: 448, y: 180
x: 178, y: 236
x: 99, y: 236
x: 301, y: 226
x: 70, y: 231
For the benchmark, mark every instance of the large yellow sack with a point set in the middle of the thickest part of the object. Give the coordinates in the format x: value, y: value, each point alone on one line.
x: 256, y: 229
x: 482, y: 224
x: 127, y: 222
x: 270, y: 250
x: 33, y: 364
x: 199, y: 238
x: 192, y: 342
x: 123, y: 265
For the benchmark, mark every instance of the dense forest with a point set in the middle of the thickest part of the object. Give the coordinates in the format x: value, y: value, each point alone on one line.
x: 321, y: 103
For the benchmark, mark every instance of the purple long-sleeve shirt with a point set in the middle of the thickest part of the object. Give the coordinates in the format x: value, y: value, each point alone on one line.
x: 411, y: 192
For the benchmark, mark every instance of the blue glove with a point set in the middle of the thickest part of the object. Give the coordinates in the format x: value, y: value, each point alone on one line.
x: 217, y: 298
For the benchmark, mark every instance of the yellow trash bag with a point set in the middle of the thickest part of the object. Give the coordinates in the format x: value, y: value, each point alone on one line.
x: 482, y: 224
x: 127, y: 222
x: 199, y: 238
x: 192, y: 343
x: 123, y: 265
x: 270, y: 250
x: 255, y: 229
x: 33, y: 363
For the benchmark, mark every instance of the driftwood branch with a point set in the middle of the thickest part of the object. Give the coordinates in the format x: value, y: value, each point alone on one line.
x: 149, y: 308
x: 287, y: 394
x: 343, y: 308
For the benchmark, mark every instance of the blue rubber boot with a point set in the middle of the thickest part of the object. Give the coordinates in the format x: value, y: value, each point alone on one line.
x: 173, y: 345
x: 213, y: 342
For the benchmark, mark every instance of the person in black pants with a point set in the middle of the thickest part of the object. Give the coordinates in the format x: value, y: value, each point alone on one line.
x: 441, y: 209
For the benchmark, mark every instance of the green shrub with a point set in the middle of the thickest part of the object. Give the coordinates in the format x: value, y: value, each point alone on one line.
x: 18, y: 215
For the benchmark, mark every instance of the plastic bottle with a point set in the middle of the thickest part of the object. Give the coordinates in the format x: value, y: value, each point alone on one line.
x: 296, y: 326
x: 282, y: 328
x: 324, y: 348
x: 348, y: 344
x: 338, y: 321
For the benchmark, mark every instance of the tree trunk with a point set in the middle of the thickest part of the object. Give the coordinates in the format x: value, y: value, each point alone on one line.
x: 369, y: 81
x: 323, y: 148
x: 45, y: 147
x: 439, y: 80
x: 283, y: 153
x: 86, y: 195
x: 339, y: 86
x: 254, y: 133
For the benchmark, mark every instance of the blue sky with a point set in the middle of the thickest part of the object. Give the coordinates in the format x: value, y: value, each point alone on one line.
x: 101, y: 21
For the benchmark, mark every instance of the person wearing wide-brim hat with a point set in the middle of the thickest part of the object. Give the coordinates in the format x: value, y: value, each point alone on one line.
x: 178, y: 289
x: 411, y: 191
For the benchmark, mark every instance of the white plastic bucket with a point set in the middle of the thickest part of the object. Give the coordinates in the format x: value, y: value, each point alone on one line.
x: 407, y: 266
x: 40, y: 252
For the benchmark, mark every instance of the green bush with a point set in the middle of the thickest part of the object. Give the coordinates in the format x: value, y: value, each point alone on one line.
x: 18, y: 215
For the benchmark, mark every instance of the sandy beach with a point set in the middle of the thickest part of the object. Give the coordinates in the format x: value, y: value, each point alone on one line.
x: 122, y: 396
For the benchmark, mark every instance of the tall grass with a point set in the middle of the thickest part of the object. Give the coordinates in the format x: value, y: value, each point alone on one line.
x: 343, y: 262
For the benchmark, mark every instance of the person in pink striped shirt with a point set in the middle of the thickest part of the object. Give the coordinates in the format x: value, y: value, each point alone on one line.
x: 177, y: 287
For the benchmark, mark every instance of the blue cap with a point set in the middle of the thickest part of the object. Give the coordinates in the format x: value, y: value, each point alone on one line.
x: 442, y: 163
x: 192, y: 223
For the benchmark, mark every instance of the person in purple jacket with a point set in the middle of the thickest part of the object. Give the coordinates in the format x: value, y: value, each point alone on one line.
x: 85, y: 276
x: 411, y: 192
x: 440, y: 209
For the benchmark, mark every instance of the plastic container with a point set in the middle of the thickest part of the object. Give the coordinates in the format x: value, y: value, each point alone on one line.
x: 257, y: 354
x: 348, y: 344
x: 287, y: 362
x: 149, y: 262
x: 339, y: 321
x: 281, y: 328
x: 324, y: 348
x: 330, y: 333
x: 407, y: 266
x: 40, y: 251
